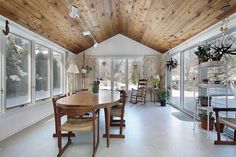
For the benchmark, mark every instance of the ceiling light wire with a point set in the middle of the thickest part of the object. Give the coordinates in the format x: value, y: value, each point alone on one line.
x: 74, y: 10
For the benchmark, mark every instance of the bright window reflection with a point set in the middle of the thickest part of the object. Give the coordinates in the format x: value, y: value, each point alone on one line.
x: 105, y: 73
x: 119, y: 74
x: 17, y: 71
x: 41, y: 72
x: 175, y: 82
x: 134, y: 72
x: 57, y: 73
x: 190, y: 79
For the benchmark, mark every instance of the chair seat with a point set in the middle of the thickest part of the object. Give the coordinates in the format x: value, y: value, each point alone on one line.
x: 231, y: 122
x: 75, y: 125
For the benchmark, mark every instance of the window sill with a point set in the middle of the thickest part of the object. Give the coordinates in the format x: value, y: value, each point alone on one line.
x: 16, y: 110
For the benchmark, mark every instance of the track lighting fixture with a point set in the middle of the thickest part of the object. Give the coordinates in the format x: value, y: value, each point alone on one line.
x: 74, y: 14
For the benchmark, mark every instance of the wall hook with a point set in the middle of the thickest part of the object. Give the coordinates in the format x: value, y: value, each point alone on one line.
x: 7, y: 30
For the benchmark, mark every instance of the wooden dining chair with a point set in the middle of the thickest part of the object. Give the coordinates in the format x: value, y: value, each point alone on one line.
x: 54, y: 100
x: 119, y: 111
x: 77, y: 125
x: 230, y: 122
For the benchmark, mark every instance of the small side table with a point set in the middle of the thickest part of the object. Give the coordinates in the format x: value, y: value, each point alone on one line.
x: 154, y: 94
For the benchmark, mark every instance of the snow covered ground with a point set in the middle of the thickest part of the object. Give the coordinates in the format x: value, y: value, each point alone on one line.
x: 24, y: 99
x: 189, y: 102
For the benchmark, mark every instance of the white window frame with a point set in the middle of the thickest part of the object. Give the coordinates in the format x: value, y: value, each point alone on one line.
x: 169, y: 83
x: 33, y: 38
x: 112, y: 58
x: 1, y: 73
x: 29, y: 73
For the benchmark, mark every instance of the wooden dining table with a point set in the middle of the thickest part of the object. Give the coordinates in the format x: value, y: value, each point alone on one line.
x: 103, y: 99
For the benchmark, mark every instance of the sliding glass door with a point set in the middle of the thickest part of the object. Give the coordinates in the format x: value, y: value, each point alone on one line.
x: 105, y: 67
x: 119, y: 73
x: 175, y: 82
x: 190, y: 78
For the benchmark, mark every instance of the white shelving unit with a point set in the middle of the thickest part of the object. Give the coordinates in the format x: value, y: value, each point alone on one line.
x: 211, y: 90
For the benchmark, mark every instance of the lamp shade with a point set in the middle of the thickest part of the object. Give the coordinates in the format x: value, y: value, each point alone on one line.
x: 73, y: 68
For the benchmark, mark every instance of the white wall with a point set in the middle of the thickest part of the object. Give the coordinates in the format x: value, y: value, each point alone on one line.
x: 120, y: 45
x: 17, y: 119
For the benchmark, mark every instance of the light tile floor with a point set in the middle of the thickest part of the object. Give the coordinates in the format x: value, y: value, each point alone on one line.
x: 152, y: 131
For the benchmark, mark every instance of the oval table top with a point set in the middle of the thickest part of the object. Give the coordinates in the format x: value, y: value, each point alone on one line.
x: 104, y: 97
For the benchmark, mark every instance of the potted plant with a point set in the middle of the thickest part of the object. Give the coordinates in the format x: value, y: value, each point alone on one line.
x: 204, y: 100
x: 95, y: 86
x: 222, y: 49
x: 203, y: 52
x: 163, y: 96
x: 171, y: 64
x: 204, y: 122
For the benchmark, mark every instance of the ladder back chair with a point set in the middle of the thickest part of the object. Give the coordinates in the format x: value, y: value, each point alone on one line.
x: 77, y: 124
x: 230, y: 122
x: 54, y: 100
x: 119, y: 111
x: 139, y: 95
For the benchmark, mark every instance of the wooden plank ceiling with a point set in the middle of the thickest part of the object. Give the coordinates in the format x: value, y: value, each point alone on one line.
x: 159, y: 24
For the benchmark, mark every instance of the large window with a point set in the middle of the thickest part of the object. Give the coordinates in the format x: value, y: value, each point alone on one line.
x: 190, y: 79
x: 119, y: 74
x: 28, y: 72
x: 1, y: 47
x: 42, y: 72
x: 17, y: 71
x: 57, y: 73
x: 134, y: 70
x: 105, y: 73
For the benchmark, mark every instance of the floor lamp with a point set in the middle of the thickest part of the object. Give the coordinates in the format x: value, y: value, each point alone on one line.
x: 73, y: 70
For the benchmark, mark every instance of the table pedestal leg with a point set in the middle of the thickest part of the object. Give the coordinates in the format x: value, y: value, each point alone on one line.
x: 107, y: 121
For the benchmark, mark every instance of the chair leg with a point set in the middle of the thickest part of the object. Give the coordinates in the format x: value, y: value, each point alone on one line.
x: 69, y: 135
x: 218, y: 131
x: 59, y: 143
x: 98, y: 133
x: 121, y: 124
x: 94, y: 147
x: 234, y: 135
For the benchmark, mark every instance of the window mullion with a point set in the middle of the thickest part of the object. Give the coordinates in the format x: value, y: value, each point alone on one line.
x: 3, y: 73
x: 50, y: 71
x: 63, y: 74
x: 126, y: 74
x: 181, y: 79
x: 112, y: 74
x: 33, y: 86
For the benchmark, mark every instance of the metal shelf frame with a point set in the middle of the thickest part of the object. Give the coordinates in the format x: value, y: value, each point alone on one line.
x: 210, y: 89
